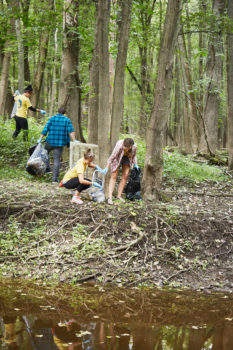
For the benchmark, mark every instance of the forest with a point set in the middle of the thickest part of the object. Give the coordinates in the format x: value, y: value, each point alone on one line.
x: 161, y: 70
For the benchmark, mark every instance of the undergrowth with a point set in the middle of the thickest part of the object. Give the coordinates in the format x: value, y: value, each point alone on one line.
x: 14, y: 155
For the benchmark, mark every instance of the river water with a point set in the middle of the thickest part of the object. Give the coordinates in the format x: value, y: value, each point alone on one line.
x: 95, y: 317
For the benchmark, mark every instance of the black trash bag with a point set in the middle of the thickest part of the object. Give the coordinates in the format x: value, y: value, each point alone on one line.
x: 132, y: 189
x: 38, y: 162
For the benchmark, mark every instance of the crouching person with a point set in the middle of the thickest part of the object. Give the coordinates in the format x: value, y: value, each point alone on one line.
x: 74, y: 178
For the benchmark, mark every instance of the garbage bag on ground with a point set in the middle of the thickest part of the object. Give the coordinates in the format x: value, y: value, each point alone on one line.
x: 38, y: 162
x: 97, y: 194
x: 132, y: 189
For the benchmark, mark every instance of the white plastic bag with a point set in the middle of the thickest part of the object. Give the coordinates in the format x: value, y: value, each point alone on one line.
x: 38, y: 162
x: 95, y: 193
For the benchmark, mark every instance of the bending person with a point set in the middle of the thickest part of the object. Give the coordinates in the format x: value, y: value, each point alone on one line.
x: 124, y: 154
x: 74, y: 178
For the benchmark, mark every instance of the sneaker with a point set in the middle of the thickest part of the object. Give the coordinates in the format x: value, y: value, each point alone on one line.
x: 110, y: 201
x: 61, y: 184
x: 76, y: 200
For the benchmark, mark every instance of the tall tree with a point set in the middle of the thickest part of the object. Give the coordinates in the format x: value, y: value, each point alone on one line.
x: 70, y: 89
x: 153, y: 166
x: 103, y: 104
x: 7, y: 52
x: 230, y: 87
x: 43, y: 50
x: 214, y: 72
x: 118, y: 92
x: 94, y: 90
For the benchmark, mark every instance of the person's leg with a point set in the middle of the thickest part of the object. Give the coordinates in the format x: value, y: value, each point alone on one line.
x: 74, y: 183
x: 112, y: 183
x: 125, y: 173
x: 24, y: 127
x: 57, y: 152
x: 17, y: 127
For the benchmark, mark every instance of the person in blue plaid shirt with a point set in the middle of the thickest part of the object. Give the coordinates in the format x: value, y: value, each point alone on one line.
x: 60, y: 130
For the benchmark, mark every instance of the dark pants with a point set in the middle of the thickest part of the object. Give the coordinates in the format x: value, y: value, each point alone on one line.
x: 57, y: 152
x: 21, y: 124
x: 74, y: 183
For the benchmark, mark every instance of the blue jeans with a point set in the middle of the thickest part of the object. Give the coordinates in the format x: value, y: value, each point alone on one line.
x: 57, y: 152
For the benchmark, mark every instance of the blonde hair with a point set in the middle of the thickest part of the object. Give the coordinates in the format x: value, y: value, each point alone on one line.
x: 88, y: 154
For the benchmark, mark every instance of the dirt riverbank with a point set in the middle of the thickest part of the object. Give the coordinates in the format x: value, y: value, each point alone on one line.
x: 185, y: 241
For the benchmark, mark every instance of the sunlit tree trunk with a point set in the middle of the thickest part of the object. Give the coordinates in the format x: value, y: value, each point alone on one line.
x: 153, y: 166
x: 230, y: 89
x: 25, y: 5
x: 214, y: 71
x: 69, y: 89
x: 118, y: 92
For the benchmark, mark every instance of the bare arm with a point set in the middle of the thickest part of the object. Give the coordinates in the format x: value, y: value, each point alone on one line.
x: 72, y: 136
x: 83, y: 181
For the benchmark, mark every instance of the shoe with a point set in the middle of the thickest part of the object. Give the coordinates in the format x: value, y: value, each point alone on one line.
x: 61, y: 184
x: 76, y: 200
x: 121, y: 199
x: 110, y: 201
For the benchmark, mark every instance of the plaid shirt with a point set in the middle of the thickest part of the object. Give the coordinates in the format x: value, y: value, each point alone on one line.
x: 59, y: 127
x: 115, y: 159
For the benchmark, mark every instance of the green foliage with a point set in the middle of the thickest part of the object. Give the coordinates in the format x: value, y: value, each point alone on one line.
x: 179, y: 167
x: 14, y: 152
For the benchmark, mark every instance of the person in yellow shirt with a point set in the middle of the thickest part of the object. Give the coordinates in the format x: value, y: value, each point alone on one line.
x: 74, y: 178
x: 23, y: 105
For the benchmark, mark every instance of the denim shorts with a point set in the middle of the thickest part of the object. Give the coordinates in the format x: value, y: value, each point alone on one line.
x: 125, y: 161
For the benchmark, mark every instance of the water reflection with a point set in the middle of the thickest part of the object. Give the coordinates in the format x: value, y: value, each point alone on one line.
x: 32, y: 333
x: 93, y: 318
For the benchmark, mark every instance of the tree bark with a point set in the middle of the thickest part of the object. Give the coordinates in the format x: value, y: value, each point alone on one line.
x: 8, y: 48
x: 43, y: 50
x: 20, y: 54
x: 70, y: 90
x: 230, y: 89
x: 118, y: 92
x: 193, y: 124
x: 94, y: 91
x: 153, y: 166
x: 103, y: 55
x: 214, y: 71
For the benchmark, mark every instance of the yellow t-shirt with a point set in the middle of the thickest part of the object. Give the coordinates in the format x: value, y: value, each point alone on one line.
x: 23, y: 103
x: 79, y: 168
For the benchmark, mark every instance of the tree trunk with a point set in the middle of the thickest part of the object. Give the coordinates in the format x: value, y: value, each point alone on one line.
x: 43, y: 50
x: 94, y: 91
x: 6, y: 60
x: 25, y: 4
x: 69, y: 90
x: 53, y: 83
x: 194, y: 124
x: 103, y: 55
x: 153, y: 166
x: 230, y: 89
x: 20, y: 54
x: 118, y: 92
x: 214, y: 71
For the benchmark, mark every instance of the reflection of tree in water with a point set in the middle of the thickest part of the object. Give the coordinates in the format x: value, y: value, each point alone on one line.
x: 25, y: 333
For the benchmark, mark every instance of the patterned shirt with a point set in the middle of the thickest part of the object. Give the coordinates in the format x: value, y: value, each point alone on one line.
x: 59, y: 127
x: 115, y: 159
